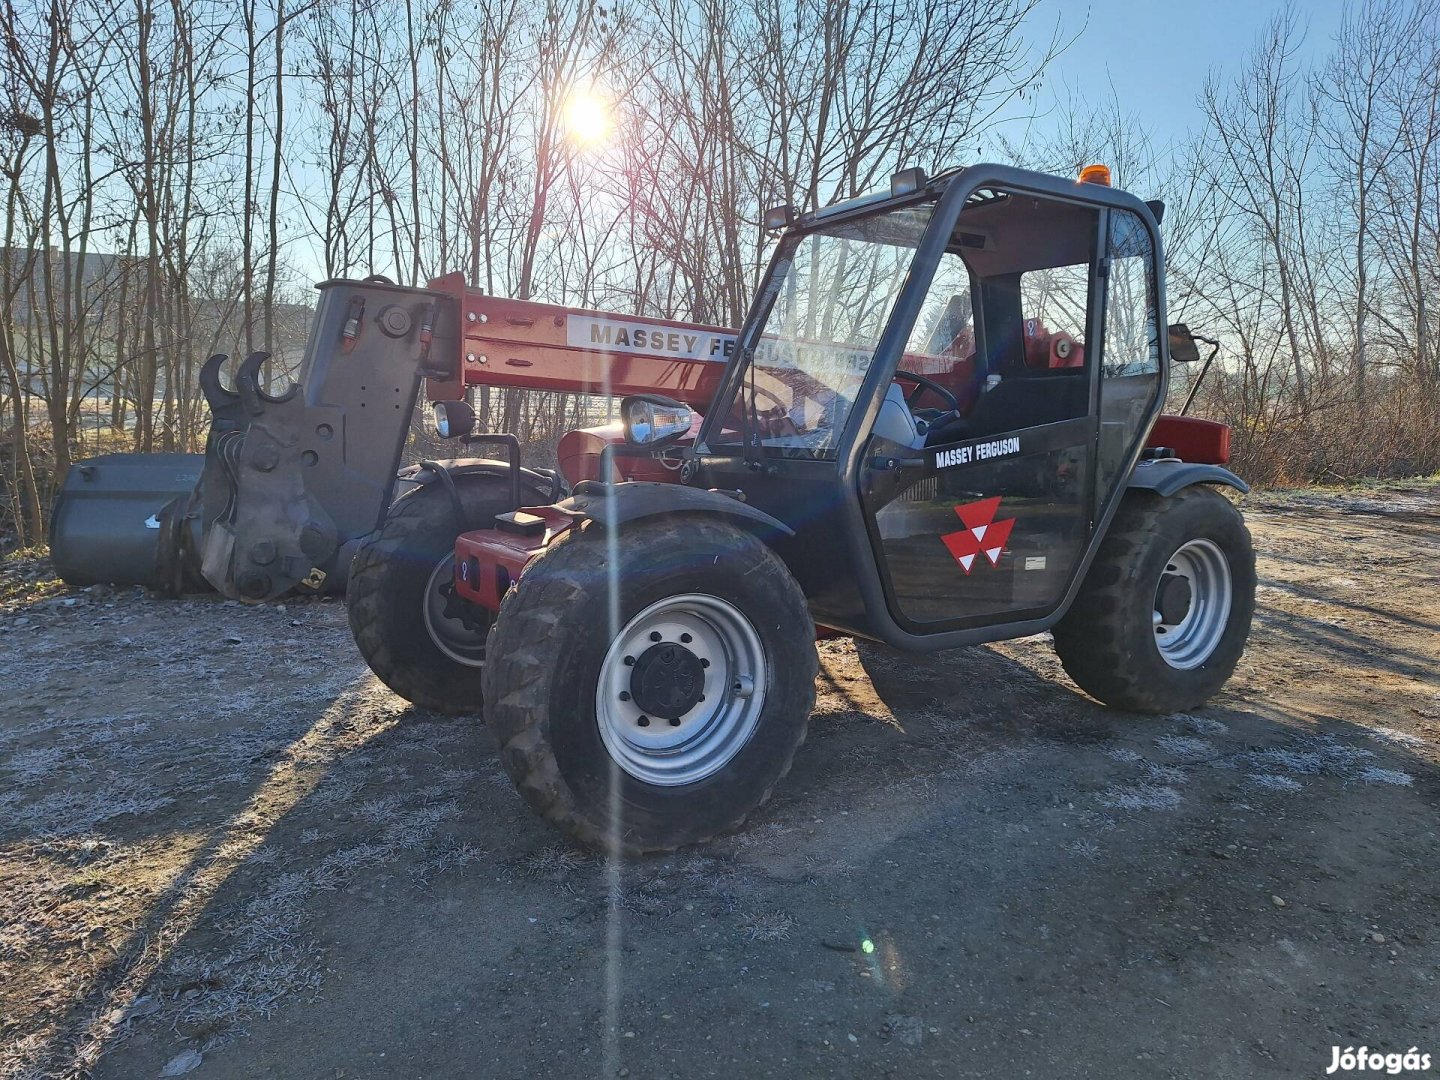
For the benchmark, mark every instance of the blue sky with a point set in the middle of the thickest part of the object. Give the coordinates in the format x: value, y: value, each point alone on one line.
x: 1156, y: 55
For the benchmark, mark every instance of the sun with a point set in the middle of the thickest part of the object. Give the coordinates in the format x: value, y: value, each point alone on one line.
x: 587, y: 117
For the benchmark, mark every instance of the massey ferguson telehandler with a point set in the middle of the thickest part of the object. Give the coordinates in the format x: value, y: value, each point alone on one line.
x: 939, y: 424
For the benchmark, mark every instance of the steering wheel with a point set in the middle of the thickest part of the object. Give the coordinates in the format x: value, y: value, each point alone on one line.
x: 767, y: 392
x: 923, y: 382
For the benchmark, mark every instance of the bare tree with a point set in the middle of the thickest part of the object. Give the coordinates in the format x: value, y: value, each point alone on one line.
x: 1374, y: 48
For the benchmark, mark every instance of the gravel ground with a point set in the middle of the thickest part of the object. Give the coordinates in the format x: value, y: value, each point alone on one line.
x: 226, y: 851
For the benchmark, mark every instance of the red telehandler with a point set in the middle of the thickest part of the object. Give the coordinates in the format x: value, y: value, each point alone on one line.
x: 939, y: 424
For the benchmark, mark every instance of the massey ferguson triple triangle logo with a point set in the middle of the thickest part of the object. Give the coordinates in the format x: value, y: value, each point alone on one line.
x: 982, y: 533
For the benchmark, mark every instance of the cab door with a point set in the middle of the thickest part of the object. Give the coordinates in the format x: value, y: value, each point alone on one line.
x: 988, y: 521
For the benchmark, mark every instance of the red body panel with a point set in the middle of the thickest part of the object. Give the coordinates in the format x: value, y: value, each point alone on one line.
x: 1192, y: 439
x: 578, y: 457
x: 489, y: 561
x: 1045, y: 350
x: 535, y: 346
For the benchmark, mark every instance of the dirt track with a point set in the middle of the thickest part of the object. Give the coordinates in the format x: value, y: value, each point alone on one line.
x: 220, y: 838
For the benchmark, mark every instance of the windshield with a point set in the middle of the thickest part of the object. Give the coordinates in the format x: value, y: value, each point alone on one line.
x: 834, y: 289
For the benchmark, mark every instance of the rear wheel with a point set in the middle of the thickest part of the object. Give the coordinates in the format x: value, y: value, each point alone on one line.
x: 427, y: 648
x: 664, y: 720
x: 1162, y: 617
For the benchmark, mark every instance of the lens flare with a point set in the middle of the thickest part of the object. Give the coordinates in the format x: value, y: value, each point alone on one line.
x: 587, y: 117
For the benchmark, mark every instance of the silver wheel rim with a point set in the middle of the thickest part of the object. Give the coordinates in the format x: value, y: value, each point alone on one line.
x: 687, y: 749
x: 451, y: 636
x: 1190, y: 640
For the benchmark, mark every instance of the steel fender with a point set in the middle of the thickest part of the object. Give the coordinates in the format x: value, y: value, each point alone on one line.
x: 1168, y: 477
x: 616, y: 504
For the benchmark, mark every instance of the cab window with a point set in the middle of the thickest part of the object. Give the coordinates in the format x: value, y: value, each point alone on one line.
x: 832, y: 300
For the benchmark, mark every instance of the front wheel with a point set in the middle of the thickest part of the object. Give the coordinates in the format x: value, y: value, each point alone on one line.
x: 662, y: 719
x: 420, y: 642
x: 1162, y: 617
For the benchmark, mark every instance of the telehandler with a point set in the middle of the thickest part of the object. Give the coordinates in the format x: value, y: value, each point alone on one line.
x: 939, y: 425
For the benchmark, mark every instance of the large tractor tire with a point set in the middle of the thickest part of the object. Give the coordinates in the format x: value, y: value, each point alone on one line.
x: 666, y: 719
x: 1162, y: 616
x: 398, y: 591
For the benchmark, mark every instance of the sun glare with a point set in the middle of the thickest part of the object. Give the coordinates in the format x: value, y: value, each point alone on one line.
x: 587, y: 117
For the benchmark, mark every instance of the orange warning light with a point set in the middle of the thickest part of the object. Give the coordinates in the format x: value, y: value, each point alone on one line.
x: 1095, y: 174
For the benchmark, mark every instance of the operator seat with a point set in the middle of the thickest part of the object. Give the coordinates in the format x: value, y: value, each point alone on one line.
x: 1022, y: 400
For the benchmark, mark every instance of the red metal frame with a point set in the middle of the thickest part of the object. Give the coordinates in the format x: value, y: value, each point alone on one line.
x: 488, y: 561
x: 535, y: 346
x: 578, y: 457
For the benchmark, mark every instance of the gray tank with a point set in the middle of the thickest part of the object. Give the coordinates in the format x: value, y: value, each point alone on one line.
x: 129, y: 519
x: 119, y: 519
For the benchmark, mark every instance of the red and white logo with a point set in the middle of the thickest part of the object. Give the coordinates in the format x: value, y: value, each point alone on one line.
x: 982, y: 533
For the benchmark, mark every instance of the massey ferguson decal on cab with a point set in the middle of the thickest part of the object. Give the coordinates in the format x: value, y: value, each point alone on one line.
x: 979, y: 451
x: 982, y: 533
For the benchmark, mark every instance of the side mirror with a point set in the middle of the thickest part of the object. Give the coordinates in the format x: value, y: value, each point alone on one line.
x: 779, y: 217
x: 453, y: 419
x: 653, y: 420
x: 1183, y: 349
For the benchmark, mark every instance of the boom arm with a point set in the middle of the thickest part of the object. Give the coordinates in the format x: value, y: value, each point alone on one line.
x: 536, y: 346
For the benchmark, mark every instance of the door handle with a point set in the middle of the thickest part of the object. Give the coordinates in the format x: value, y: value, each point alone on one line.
x: 889, y: 464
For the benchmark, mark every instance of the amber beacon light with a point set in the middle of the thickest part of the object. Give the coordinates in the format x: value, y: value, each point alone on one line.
x: 1095, y: 174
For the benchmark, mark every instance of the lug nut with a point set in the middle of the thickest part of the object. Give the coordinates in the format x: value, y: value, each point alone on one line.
x: 644, y: 721
x: 685, y: 639
x: 654, y: 635
x: 624, y: 695
x: 704, y: 662
x: 629, y: 661
x: 674, y: 723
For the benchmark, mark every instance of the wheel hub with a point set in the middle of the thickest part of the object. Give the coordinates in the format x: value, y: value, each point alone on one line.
x: 1192, y: 604
x: 667, y: 681
x: 1172, y: 599
x: 454, y: 629
x: 681, y: 689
